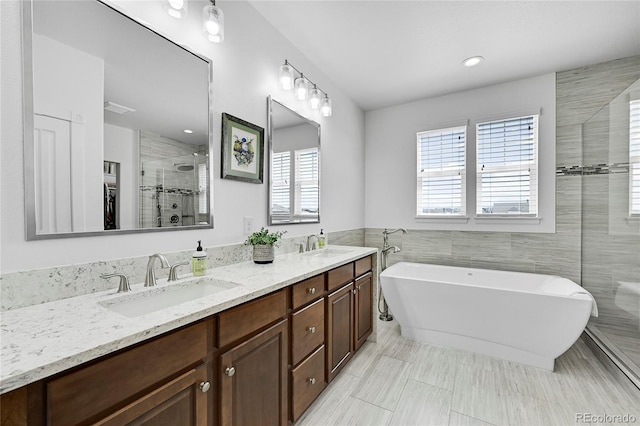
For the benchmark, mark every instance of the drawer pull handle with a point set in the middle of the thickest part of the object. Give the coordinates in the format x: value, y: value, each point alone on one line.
x: 311, y: 290
x: 311, y: 330
x: 312, y: 380
x: 230, y: 371
x: 205, y: 386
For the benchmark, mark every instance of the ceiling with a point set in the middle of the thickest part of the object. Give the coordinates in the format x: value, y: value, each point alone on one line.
x: 383, y: 53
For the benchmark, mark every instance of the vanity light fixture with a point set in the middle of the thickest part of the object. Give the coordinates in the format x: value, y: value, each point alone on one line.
x: 175, y: 8
x: 301, y: 86
x: 213, y: 22
x: 472, y: 61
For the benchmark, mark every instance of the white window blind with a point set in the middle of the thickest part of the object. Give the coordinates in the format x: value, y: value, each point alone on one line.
x: 634, y: 157
x: 441, y: 172
x: 281, y: 183
x: 507, y: 167
x: 307, y: 182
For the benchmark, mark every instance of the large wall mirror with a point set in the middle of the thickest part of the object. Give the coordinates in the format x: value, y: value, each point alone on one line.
x: 117, y: 125
x: 294, y: 172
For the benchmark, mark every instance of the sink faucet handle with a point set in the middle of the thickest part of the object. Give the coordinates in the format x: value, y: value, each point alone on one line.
x: 124, y: 281
x: 173, y: 271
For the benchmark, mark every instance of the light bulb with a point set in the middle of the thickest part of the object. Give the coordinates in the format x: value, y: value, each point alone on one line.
x: 175, y: 8
x: 314, y: 97
x: 213, y: 23
x: 286, y: 76
x: 301, y: 88
x: 325, y: 106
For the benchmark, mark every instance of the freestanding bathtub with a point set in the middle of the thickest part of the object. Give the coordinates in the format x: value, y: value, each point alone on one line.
x: 526, y: 318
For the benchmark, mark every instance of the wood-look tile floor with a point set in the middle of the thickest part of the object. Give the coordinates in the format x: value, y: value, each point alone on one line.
x: 397, y: 381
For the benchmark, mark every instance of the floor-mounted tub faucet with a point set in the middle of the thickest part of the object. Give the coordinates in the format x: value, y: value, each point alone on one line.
x: 386, y: 248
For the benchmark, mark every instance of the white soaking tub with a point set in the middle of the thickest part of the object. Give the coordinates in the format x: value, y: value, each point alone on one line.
x: 526, y: 318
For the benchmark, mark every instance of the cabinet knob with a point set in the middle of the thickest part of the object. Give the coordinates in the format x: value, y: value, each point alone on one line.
x: 353, y: 291
x: 205, y: 386
x: 230, y: 371
x: 311, y: 290
x: 312, y: 380
x: 311, y: 330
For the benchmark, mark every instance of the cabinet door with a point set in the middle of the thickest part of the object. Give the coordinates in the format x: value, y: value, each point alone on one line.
x: 363, y: 310
x: 182, y: 401
x: 253, y: 380
x: 339, y: 328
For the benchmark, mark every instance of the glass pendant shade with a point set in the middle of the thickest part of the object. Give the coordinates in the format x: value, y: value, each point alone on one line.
x: 301, y: 87
x: 175, y: 8
x: 314, y: 97
x: 285, y: 76
x: 325, y: 107
x: 213, y: 23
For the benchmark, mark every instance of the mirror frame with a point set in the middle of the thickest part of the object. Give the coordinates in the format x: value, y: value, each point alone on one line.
x: 270, y: 103
x: 29, y: 142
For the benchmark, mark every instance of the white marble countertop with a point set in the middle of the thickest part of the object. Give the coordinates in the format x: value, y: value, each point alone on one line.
x: 41, y: 340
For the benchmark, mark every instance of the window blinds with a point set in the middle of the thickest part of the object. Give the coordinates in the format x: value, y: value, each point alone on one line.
x: 507, y: 167
x: 441, y: 172
x: 203, y: 180
x: 634, y: 157
x: 307, y: 188
x: 281, y: 183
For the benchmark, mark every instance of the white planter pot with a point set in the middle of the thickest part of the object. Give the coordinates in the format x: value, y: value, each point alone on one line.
x: 263, y: 253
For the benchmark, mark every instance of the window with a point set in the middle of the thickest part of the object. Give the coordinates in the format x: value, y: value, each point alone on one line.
x: 281, y: 188
x: 634, y: 157
x: 441, y: 172
x: 295, y: 184
x: 203, y: 180
x: 507, y: 167
x: 307, y: 169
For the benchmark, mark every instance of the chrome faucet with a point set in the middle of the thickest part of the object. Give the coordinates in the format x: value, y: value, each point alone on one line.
x: 124, y: 281
x: 386, y: 233
x: 150, y: 278
x: 309, y: 245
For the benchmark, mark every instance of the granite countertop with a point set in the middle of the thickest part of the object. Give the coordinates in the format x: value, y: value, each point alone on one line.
x: 41, y: 340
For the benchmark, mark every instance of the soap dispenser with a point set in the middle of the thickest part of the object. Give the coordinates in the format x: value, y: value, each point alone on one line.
x: 199, y: 261
x: 322, y: 240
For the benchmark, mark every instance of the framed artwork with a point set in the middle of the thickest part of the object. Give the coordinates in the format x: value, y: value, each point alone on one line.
x: 242, y: 150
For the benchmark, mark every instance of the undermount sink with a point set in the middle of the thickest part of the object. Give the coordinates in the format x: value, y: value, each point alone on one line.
x: 326, y: 253
x: 163, y: 297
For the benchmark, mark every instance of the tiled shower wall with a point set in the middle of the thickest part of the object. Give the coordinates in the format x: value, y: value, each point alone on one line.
x: 581, y: 93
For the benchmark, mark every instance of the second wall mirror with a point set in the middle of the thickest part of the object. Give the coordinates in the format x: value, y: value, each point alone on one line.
x: 294, y: 166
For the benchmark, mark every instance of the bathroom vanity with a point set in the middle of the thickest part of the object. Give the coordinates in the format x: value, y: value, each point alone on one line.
x: 261, y: 350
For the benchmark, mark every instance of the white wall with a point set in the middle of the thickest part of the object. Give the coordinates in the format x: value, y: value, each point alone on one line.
x: 391, y: 152
x: 245, y: 73
x: 121, y: 146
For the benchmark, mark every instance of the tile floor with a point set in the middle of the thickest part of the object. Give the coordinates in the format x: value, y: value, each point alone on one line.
x: 397, y: 381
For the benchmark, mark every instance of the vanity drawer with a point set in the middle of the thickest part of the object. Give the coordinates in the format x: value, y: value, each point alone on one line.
x: 240, y: 321
x: 307, y: 330
x: 307, y: 290
x: 101, y: 387
x: 363, y: 265
x: 339, y: 276
x: 307, y: 382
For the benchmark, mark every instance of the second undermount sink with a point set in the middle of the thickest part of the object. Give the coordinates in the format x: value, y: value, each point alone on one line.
x: 166, y: 296
x: 328, y: 252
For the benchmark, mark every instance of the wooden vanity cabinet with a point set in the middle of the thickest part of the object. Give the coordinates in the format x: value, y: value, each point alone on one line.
x: 147, y: 384
x: 349, y: 315
x: 307, y: 373
x: 253, y: 363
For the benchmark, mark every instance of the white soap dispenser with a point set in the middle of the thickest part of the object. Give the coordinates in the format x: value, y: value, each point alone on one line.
x: 199, y: 261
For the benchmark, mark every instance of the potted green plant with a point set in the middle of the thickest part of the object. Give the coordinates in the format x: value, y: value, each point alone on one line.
x: 263, y: 243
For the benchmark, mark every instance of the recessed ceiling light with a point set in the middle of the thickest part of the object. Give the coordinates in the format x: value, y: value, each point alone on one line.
x: 188, y: 131
x: 472, y: 61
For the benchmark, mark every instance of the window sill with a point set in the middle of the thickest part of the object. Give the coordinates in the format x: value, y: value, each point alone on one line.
x: 506, y: 219
x: 443, y: 219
